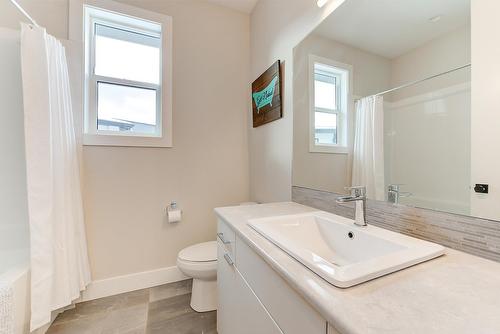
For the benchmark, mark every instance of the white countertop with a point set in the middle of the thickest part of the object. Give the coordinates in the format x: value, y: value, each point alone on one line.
x: 456, y: 293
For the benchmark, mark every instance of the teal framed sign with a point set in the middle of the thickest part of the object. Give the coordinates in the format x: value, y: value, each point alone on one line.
x: 266, y: 96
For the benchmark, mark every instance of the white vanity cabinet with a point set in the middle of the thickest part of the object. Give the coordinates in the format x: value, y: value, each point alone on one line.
x: 239, y: 311
x: 253, y: 298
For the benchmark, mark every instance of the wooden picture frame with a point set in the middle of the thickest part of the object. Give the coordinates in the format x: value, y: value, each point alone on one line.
x: 266, y: 96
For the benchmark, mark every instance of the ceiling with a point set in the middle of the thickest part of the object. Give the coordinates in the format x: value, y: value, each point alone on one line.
x: 245, y: 6
x: 391, y: 28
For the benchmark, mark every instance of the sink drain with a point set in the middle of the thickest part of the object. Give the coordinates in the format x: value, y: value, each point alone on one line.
x: 350, y: 235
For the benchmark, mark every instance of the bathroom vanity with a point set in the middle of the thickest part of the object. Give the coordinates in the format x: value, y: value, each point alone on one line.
x: 253, y: 298
x: 262, y: 289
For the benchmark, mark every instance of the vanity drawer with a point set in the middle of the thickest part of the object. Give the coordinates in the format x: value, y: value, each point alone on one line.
x: 290, y: 311
x: 226, y: 236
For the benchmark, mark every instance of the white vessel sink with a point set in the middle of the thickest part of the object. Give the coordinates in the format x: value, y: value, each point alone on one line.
x: 341, y: 252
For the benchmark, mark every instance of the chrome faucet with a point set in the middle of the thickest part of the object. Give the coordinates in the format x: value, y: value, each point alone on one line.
x: 358, y: 195
x: 394, y: 193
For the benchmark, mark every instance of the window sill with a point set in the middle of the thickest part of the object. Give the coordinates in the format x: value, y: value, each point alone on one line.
x: 126, y: 141
x: 329, y: 149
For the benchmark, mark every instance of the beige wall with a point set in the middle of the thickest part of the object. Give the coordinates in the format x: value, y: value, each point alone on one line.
x: 441, y: 54
x: 51, y: 14
x: 127, y: 189
x: 371, y: 73
x: 277, y: 26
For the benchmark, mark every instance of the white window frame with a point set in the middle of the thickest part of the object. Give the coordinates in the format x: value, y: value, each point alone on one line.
x: 344, y: 105
x: 115, y: 14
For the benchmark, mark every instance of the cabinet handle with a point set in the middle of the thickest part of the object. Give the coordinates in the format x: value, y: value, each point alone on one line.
x: 228, y: 259
x: 221, y: 237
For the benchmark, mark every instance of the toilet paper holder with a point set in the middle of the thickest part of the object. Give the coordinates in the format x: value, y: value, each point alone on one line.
x: 174, y: 214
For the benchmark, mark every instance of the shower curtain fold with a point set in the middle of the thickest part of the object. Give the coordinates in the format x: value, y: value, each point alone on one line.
x: 59, y: 260
x: 368, y: 149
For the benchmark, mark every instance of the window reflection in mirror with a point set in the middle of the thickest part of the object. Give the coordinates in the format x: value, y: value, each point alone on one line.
x: 328, y: 111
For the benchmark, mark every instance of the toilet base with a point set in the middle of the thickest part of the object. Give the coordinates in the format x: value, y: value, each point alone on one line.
x: 204, y: 295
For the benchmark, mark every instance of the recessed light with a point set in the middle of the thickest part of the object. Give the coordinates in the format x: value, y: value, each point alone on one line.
x: 435, y: 18
x: 321, y: 3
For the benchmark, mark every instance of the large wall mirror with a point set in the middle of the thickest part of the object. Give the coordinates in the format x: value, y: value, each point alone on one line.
x: 382, y: 99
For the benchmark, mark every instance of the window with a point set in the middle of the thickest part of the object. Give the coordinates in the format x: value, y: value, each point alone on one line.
x: 329, y: 96
x: 127, y: 77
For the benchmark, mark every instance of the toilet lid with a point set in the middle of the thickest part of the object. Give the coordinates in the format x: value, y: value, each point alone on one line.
x: 204, y: 252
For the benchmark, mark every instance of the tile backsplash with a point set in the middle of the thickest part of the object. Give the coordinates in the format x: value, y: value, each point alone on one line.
x: 476, y: 236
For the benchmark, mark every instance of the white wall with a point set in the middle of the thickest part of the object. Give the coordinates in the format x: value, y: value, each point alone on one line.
x: 127, y: 189
x: 277, y: 26
x: 371, y: 74
x: 430, y: 121
x: 427, y: 148
x: 13, y: 197
x: 485, y: 121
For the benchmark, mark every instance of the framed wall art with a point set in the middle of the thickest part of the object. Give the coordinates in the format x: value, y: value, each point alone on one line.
x: 266, y: 96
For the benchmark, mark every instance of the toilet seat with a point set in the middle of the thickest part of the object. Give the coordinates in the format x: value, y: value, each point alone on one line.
x: 204, y: 252
x: 205, y: 270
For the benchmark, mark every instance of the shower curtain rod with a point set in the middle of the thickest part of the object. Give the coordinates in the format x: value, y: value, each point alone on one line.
x: 25, y: 13
x: 422, y: 80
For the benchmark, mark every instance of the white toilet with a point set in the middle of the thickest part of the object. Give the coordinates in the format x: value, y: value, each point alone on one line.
x: 200, y: 262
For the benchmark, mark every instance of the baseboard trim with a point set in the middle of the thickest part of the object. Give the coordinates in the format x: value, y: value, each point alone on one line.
x: 126, y: 283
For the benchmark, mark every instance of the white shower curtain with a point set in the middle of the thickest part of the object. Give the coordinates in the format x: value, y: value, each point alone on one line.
x: 368, y: 150
x: 59, y: 260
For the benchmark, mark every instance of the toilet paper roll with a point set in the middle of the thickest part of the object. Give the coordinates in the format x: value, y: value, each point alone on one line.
x: 174, y: 216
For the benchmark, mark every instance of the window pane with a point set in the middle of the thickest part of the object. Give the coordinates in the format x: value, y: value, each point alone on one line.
x: 127, y: 109
x: 127, y: 55
x: 325, y: 128
x: 325, y: 95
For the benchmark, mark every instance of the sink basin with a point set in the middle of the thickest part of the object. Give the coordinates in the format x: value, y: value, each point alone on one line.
x: 339, y: 251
